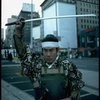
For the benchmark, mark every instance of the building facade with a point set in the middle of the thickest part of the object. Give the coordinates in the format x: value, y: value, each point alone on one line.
x: 2, y: 38
x: 2, y: 33
x: 64, y: 28
x: 89, y: 41
x: 9, y: 32
x: 87, y: 7
x: 27, y: 28
x: 28, y: 7
x: 82, y: 7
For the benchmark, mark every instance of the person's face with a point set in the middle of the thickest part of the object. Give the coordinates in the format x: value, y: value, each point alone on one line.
x: 50, y: 54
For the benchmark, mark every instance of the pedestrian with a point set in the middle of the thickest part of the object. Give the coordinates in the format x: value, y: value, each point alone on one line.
x: 53, y: 77
x: 5, y: 54
x: 10, y: 58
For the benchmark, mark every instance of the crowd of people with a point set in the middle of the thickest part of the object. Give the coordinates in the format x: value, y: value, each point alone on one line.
x: 8, y: 55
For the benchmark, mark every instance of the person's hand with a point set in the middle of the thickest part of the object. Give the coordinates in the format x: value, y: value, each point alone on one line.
x: 19, y: 26
x: 20, y: 23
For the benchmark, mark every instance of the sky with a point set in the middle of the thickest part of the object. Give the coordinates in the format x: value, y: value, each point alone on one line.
x: 13, y: 7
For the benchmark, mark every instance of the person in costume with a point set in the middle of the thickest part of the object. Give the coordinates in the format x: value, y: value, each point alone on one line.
x: 53, y: 76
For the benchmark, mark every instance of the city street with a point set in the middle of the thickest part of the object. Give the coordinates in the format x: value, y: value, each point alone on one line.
x: 13, y: 81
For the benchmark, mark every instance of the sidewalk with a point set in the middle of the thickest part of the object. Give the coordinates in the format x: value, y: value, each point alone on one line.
x: 8, y: 92
x: 91, y: 79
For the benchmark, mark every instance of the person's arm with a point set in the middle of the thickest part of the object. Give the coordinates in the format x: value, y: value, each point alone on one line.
x: 21, y: 48
x: 74, y: 81
x: 18, y: 42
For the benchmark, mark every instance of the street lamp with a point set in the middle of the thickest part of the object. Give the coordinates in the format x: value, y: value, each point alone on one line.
x: 10, y: 46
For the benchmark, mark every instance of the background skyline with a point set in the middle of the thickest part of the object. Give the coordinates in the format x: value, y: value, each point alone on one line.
x: 13, y: 7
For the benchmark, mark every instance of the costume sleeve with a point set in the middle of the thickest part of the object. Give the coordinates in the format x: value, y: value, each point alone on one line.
x: 24, y: 56
x: 74, y: 80
x: 28, y: 60
x: 20, y: 47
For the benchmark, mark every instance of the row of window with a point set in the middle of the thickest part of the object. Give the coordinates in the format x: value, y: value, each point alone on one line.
x: 95, y: 11
x: 83, y: 27
x: 90, y: 5
x: 87, y: 26
x: 90, y: 1
x: 89, y: 21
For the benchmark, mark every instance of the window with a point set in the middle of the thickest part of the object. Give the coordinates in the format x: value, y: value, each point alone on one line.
x: 84, y: 26
x: 81, y: 26
x: 81, y: 20
x: 89, y: 5
x: 90, y: 39
x: 88, y: 26
x: 83, y: 39
x: 84, y: 20
x: 86, y: 10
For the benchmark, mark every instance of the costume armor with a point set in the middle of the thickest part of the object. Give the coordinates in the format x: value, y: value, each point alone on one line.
x: 60, y: 80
